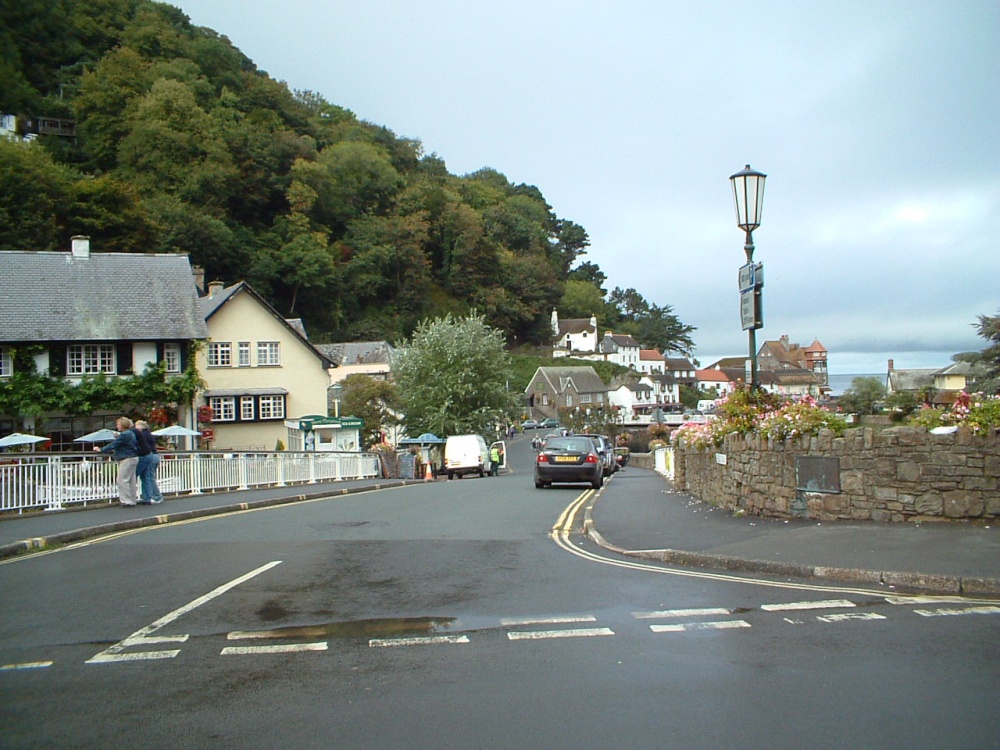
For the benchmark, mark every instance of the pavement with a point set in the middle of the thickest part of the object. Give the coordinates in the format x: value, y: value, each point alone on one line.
x: 637, y: 514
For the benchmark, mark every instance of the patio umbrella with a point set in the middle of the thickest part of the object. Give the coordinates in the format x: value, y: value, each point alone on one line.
x: 97, y: 436
x: 175, y: 430
x: 19, y: 438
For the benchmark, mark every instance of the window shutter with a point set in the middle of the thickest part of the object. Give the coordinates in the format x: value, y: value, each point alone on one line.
x: 57, y: 360
x: 124, y: 359
x: 159, y: 352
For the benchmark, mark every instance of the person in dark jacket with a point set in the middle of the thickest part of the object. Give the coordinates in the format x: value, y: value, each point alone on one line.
x: 149, y: 462
x: 125, y: 450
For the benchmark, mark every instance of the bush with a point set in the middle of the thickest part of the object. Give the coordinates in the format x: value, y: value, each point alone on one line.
x: 979, y: 412
x: 745, y: 413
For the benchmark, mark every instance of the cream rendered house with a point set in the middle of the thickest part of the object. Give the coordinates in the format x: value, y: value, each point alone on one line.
x: 259, y: 370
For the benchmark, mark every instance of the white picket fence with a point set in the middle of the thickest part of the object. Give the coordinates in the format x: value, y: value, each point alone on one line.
x: 53, y: 481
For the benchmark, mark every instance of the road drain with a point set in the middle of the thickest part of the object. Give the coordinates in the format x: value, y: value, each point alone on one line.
x: 372, y: 628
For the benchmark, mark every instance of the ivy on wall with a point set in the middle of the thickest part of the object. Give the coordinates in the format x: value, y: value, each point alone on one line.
x: 28, y: 393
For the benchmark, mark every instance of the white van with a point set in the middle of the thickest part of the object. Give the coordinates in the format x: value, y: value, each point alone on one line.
x: 466, y: 454
x: 707, y: 406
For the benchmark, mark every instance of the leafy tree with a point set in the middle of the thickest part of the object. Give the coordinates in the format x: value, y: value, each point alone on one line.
x: 453, y: 376
x: 591, y: 272
x: 581, y: 299
x: 36, y: 196
x: 863, y: 397
x: 989, y: 329
x: 660, y: 329
x: 373, y: 401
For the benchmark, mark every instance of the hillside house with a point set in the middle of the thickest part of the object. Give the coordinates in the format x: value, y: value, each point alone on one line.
x: 573, y: 337
x: 554, y: 388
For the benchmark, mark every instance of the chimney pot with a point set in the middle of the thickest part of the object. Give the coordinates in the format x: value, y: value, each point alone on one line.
x: 214, y: 287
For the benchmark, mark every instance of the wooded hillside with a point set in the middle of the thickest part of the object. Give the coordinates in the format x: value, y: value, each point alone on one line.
x: 183, y: 145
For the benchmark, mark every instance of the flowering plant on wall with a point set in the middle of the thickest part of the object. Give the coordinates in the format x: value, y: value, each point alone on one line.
x: 745, y: 413
x: 977, y: 411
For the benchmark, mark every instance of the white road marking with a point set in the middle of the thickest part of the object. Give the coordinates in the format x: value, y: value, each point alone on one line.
x: 144, y: 636
x: 790, y: 606
x: 967, y: 611
x: 668, y: 613
x: 26, y: 665
x: 285, y: 648
x: 427, y: 640
x: 535, y: 635
x: 554, y: 620
x: 844, y: 616
x: 685, y: 626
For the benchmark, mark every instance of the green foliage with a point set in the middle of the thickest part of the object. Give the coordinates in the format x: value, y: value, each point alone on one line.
x: 453, y: 377
x: 863, y: 397
x: 744, y: 412
x: 373, y: 401
x: 184, y: 146
x: 979, y: 412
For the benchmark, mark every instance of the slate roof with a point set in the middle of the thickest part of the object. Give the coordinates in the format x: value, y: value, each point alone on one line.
x: 584, y: 379
x: 576, y: 325
x: 56, y: 296
x: 358, y: 352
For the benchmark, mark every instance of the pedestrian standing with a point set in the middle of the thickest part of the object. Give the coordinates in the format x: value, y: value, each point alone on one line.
x: 125, y: 450
x: 494, y: 460
x: 149, y: 462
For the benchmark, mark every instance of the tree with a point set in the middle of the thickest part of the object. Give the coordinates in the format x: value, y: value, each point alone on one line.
x: 863, y: 396
x: 453, y: 377
x: 374, y: 402
x: 989, y: 329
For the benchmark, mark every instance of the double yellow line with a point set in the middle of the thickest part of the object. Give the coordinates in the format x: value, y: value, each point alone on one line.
x: 564, y: 524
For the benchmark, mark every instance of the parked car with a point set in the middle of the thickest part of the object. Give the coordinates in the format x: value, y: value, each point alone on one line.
x: 569, y: 459
x: 606, y: 451
x: 550, y: 422
x: 531, y: 424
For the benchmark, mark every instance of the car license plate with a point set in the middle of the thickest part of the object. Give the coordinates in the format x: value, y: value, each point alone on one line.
x: 565, y: 459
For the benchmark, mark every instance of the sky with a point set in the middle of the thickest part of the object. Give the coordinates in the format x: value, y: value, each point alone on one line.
x: 877, y: 123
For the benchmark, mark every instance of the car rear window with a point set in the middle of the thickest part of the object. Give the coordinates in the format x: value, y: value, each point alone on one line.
x: 581, y: 445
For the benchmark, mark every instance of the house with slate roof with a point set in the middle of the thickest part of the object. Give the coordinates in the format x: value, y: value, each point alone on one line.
x: 371, y: 358
x: 262, y: 375
x: 573, y: 337
x: 81, y: 313
x: 554, y: 388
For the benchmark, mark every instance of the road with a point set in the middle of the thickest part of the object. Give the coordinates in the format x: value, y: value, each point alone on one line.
x: 450, y: 614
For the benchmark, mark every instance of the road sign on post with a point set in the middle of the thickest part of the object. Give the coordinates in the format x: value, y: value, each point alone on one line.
x: 748, y: 277
x: 751, y: 314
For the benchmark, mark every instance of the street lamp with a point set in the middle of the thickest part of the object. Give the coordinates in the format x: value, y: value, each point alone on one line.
x: 336, y: 391
x: 748, y: 194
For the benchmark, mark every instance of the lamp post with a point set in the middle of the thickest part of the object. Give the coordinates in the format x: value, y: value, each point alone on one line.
x: 336, y: 391
x: 748, y: 194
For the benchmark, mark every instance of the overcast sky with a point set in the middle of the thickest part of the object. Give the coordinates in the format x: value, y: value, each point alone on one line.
x: 877, y: 123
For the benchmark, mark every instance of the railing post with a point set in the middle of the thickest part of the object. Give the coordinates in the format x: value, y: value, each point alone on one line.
x: 54, y: 482
x: 242, y: 468
x: 195, y: 474
x: 281, y: 468
x: 312, y: 468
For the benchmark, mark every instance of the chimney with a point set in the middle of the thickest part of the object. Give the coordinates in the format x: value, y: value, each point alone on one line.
x: 890, y: 365
x: 199, y: 278
x: 214, y: 287
x: 81, y: 246
x: 784, y: 341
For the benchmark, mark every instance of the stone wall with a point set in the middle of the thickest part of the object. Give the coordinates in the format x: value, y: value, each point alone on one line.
x: 898, y: 474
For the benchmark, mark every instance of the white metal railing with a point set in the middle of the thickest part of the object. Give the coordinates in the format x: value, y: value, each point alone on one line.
x: 663, y: 462
x: 32, y: 481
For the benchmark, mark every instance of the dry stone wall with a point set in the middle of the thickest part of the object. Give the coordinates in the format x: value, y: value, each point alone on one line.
x: 899, y: 474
